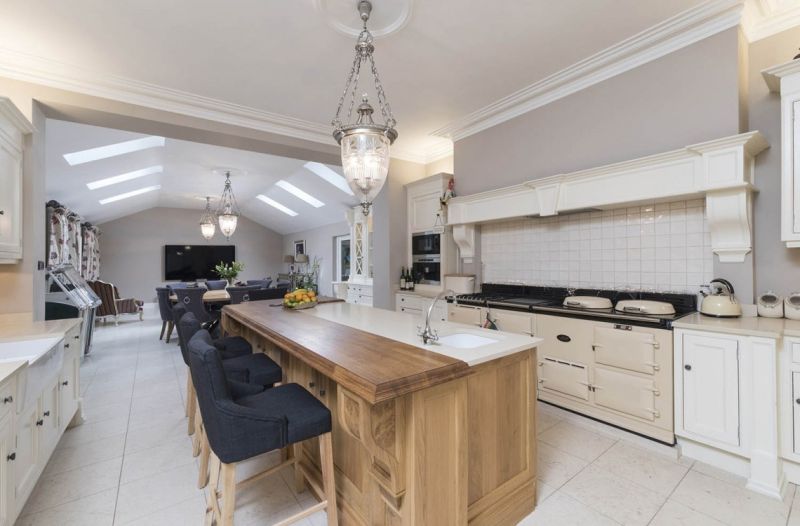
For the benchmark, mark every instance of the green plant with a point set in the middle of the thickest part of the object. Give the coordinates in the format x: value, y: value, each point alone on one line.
x: 229, y: 272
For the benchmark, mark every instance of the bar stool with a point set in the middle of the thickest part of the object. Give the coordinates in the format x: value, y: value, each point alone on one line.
x: 241, y: 428
x: 229, y: 346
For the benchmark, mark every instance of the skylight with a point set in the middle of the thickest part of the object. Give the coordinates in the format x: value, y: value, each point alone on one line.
x: 329, y: 175
x: 275, y: 204
x: 113, y: 150
x: 292, y: 189
x: 101, y: 183
x: 126, y: 195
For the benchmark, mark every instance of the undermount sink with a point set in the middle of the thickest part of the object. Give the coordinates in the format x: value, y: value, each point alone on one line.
x: 45, y: 356
x: 465, y: 340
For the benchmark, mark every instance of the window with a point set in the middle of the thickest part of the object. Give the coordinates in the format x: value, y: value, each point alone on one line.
x: 342, y: 244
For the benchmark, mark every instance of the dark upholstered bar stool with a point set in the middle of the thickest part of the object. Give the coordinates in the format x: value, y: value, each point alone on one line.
x: 193, y: 300
x: 165, y: 309
x: 241, y: 428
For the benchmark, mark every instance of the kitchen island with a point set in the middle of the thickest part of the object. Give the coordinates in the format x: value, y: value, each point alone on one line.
x: 422, y: 434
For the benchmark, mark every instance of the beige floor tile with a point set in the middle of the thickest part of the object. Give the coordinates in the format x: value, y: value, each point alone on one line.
x: 719, y: 474
x: 617, y: 498
x: 146, y: 496
x: 93, y: 414
x: 190, y: 512
x: 555, y: 467
x: 154, y: 434
x: 543, y: 491
x: 269, y: 497
x: 676, y: 514
x: 172, y: 453
x: 561, y: 510
x: 729, y: 503
x: 544, y: 421
x: 68, y: 458
x: 60, y: 488
x: 643, y: 467
x: 89, y: 432
x: 92, y: 510
x: 577, y: 440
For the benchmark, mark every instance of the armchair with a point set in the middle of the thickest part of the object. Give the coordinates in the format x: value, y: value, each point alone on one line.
x: 112, y: 304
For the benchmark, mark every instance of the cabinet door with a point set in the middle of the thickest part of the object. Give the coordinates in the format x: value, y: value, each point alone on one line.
x: 794, y: 187
x: 69, y: 389
x: 48, y: 418
x: 564, y: 378
x: 27, y: 452
x: 423, y: 211
x: 510, y: 321
x: 710, y: 374
x: 465, y: 314
x: 10, y: 203
x: 626, y: 393
x: 796, y: 412
x: 7, y: 459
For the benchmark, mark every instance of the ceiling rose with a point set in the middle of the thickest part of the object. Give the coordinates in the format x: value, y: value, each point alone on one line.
x: 392, y: 16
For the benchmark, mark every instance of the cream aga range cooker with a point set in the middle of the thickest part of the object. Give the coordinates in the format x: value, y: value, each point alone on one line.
x: 606, y: 354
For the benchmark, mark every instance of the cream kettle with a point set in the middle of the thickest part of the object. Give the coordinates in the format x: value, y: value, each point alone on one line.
x: 791, y: 306
x: 720, y: 303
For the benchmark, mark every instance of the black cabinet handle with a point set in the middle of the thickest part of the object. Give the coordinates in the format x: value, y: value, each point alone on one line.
x: 77, y: 337
x: 797, y: 401
x: 311, y: 384
x: 65, y: 383
x: 563, y: 338
x: 66, y: 346
x: 12, y: 456
x: 47, y: 413
x: 322, y: 392
x: 40, y: 422
x: 8, y: 399
x: 687, y: 367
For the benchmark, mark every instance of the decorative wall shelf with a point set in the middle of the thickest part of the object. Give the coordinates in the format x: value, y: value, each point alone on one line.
x: 720, y: 170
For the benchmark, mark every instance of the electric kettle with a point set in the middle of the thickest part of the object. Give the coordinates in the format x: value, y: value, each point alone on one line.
x: 722, y: 303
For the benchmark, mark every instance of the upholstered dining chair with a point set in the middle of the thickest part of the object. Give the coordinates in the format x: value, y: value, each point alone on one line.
x: 193, y: 300
x: 241, y: 294
x: 165, y: 309
x: 260, y: 283
x: 178, y: 285
x: 238, y: 428
x: 267, y: 294
x: 216, y: 284
x: 112, y: 304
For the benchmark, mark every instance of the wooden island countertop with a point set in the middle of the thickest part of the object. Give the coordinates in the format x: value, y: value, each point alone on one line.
x: 421, y: 434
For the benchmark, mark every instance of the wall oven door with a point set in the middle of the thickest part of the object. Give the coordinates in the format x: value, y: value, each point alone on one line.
x: 426, y: 244
x: 427, y: 269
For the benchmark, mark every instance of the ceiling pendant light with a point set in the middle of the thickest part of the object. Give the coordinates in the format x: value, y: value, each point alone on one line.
x: 227, y: 211
x: 207, y: 224
x: 365, y: 144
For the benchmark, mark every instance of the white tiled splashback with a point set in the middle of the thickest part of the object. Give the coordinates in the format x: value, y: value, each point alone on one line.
x: 662, y: 247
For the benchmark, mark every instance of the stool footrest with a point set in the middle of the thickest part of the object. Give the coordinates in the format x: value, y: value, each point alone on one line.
x: 303, y: 514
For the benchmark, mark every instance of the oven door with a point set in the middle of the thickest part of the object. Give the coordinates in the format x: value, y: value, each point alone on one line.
x: 427, y: 271
x: 427, y: 244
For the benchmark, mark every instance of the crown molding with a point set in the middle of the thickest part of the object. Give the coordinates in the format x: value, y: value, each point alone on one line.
x: 764, y: 18
x: 675, y: 33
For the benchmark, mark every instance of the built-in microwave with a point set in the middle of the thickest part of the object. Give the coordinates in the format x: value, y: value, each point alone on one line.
x: 426, y: 244
x: 427, y: 269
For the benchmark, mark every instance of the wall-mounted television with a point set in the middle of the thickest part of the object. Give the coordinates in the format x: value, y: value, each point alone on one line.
x: 193, y: 262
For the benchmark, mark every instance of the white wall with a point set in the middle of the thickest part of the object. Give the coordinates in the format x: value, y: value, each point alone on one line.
x: 132, y: 248
x: 319, y: 243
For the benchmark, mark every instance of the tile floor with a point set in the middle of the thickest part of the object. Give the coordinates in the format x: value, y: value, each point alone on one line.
x: 130, y: 463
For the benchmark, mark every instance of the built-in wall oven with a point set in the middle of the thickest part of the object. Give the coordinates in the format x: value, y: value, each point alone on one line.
x: 426, y: 244
x: 427, y: 269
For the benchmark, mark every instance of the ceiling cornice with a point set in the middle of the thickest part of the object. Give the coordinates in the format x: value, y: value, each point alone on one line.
x: 764, y: 18
x: 684, y: 29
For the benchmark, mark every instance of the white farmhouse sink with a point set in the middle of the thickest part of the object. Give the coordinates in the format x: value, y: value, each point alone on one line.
x: 465, y: 340
x: 45, y: 356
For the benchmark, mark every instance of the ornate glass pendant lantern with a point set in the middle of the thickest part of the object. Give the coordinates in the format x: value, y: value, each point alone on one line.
x: 365, y: 143
x: 227, y: 211
x: 207, y: 224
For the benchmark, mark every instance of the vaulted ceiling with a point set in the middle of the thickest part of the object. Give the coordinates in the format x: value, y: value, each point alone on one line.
x: 187, y: 174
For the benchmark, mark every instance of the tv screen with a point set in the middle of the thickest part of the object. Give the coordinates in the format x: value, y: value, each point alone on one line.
x: 192, y: 262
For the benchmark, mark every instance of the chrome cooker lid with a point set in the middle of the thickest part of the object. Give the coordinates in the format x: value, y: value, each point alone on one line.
x: 587, y: 302
x: 645, y: 307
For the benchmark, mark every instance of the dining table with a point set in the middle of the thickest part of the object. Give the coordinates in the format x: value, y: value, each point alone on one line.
x: 210, y: 296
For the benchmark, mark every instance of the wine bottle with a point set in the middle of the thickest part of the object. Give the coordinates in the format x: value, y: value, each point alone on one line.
x: 411, y: 280
x: 402, y: 278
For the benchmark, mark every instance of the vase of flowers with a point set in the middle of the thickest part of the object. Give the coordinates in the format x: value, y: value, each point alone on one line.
x: 229, y: 272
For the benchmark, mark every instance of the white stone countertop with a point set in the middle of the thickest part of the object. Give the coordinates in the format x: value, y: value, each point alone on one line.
x: 21, y: 326
x: 744, y: 326
x: 402, y: 327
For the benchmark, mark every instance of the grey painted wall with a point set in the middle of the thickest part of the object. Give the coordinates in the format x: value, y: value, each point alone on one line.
x: 686, y: 97
x: 132, y: 248
x: 777, y: 267
x: 319, y: 243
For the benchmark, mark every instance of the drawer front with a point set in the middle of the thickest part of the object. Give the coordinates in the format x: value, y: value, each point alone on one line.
x: 413, y: 302
x: 795, y: 352
x: 465, y: 314
x: 409, y: 310
x: 564, y: 377
x: 796, y: 412
x: 7, y: 393
x: 626, y: 393
x: 626, y: 349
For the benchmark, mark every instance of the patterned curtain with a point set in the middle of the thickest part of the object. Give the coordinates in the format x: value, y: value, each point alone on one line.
x: 74, y: 242
x: 90, y: 264
x: 58, y: 239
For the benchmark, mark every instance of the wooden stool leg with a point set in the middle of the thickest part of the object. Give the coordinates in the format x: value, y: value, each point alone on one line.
x: 198, y: 427
x: 212, y: 502
x: 299, y: 481
x: 328, y: 483
x: 191, y: 402
x: 205, y: 452
x: 228, y: 494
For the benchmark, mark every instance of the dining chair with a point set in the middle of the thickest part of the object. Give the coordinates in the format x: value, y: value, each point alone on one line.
x: 239, y: 428
x: 165, y: 309
x: 216, y: 284
x: 241, y: 294
x: 260, y: 283
x: 192, y: 298
x: 267, y: 294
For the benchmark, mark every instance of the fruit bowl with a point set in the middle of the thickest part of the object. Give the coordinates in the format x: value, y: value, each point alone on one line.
x: 300, y: 299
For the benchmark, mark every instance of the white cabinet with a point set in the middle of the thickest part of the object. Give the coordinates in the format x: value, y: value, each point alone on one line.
x: 49, y: 428
x: 465, y: 314
x: 709, y: 373
x: 510, y: 321
x: 7, y: 459
x: 13, y: 128
x: 418, y: 305
x: 359, y: 286
x: 424, y: 202
x: 359, y: 294
x: 785, y: 79
x: 26, y: 464
x: 69, y: 385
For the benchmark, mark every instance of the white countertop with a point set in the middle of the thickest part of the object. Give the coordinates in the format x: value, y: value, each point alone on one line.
x: 744, y: 326
x: 8, y: 369
x: 14, y: 327
x: 402, y: 327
